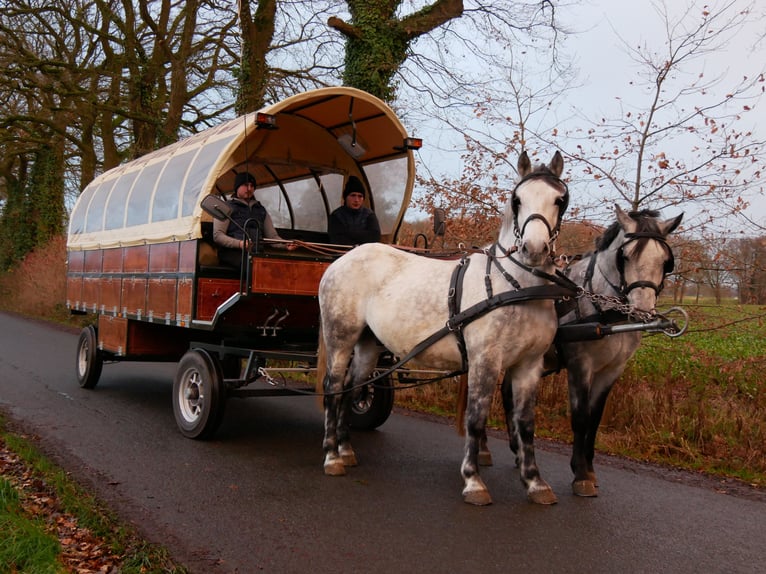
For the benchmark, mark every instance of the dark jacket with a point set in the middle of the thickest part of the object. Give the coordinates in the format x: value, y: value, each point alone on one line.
x: 353, y: 226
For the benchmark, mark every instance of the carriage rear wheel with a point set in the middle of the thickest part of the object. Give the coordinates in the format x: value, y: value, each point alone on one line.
x: 372, y: 404
x: 90, y: 359
x: 199, y: 395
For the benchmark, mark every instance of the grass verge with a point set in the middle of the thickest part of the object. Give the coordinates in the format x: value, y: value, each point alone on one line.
x: 48, y: 523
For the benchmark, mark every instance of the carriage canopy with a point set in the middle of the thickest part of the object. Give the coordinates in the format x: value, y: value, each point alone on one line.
x: 318, y: 139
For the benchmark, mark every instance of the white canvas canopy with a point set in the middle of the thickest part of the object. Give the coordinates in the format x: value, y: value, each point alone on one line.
x: 319, y: 139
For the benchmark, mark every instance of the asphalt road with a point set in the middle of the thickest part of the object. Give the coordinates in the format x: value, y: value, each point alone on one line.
x: 255, y: 499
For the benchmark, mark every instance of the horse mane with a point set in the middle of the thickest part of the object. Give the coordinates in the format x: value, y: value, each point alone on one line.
x: 647, y: 222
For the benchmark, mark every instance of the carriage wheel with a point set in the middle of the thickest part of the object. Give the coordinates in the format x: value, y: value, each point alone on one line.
x: 90, y: 359
x: 199, y: 396
x: 372, y: 404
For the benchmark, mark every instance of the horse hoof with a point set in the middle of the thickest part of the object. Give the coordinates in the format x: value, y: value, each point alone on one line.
x: 349, y: 459
x: 544, y: 496
x: 586, y: 488
x: 485, y: 458
x: 334, y: 468
x: 477, y: 497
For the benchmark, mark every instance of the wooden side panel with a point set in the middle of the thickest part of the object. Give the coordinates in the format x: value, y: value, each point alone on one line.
x: 287, y: 276
x: 74, y: 292
x: 136, y: 259
x: 156, y: 340
x: 112, y: 260
x: 92, y: 262
x: 163, y: 258
x: 161, y: 299
x: 110, y: 291
x: 113, y: 334
x: 91, y: 293
x: 211, y: 293
x: 134, y: 295
x: 184, y: 300
x: 187, y: 259
x: 75, y: 261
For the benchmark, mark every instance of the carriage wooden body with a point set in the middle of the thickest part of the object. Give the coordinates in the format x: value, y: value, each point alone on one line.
x: 140, y: 254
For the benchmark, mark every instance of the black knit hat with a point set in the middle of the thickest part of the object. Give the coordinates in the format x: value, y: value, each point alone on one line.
x: 353, y: 185
x: 243, y: 177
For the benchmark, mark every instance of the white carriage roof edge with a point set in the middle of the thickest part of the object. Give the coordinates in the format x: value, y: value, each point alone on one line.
x: 225, y: 138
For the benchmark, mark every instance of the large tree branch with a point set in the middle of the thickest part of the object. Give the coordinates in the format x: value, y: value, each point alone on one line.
x: 348, y: 30
x: 431, y: 17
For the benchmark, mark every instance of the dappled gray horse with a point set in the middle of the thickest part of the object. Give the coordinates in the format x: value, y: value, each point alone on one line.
x: 379, y: 294
x: 626, y: 272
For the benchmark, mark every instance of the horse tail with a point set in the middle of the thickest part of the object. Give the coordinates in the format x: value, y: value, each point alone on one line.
x: 321, y: 365
x: 462, y: 402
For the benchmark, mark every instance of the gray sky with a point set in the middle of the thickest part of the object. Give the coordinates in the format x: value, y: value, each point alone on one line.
x: 606, y: 70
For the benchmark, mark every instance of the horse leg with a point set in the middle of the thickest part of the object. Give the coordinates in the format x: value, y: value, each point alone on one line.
x: 525, y: 380
x: 338, y: 355
x: 366, y: 352
x: 579, y: 403
x: 507, y: 394
x: 599, y: 395
x: 481, y: 384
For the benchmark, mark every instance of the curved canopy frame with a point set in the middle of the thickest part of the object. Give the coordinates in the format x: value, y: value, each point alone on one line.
x: 319, y: 138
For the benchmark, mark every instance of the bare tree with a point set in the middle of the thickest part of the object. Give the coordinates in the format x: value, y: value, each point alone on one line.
x: 681, y: 137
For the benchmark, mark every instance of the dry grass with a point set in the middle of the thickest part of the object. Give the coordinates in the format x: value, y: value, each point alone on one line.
x: 37, y: 286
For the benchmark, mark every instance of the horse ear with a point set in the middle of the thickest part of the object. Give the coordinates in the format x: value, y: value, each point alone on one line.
x: 524, y: 165
x: 669, y: 225
x: 557, y: 164
x: 623, y: 218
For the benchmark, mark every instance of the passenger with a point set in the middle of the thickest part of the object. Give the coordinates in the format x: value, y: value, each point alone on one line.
x: 353, y: 223
x: 230, y: 237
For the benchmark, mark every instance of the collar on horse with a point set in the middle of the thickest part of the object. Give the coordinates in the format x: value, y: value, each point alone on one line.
x: 560, y: 287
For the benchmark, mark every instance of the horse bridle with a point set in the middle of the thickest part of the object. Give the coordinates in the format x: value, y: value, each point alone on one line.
x: 666, y: 270
x: 562, y: 203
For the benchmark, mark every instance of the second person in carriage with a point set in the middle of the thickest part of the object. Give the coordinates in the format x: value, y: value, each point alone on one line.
x: 353, y: 223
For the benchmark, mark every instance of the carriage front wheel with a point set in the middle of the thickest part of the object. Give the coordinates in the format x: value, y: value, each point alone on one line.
x: 90, y: 359
x: 372, y: 404
x: 199, y: 395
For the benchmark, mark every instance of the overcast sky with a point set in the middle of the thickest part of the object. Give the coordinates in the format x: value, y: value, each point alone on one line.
x: 605, y: 68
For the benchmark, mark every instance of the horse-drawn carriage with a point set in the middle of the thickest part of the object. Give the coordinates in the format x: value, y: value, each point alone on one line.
x: 141, y: 258
x: 141, y: 255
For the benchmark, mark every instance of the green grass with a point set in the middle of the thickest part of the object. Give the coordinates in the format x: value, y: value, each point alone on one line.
x: 28, y: 542
x: 25, y: 546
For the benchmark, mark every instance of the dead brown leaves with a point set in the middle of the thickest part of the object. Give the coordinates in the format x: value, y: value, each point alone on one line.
x: 81, y: 551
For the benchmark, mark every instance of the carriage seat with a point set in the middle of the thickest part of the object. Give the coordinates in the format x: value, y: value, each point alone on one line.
x: 207, y: 256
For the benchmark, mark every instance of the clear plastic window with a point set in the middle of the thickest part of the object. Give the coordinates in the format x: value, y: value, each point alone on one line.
x: 388, y: 182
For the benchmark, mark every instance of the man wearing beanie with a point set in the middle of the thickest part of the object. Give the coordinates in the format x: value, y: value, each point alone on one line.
x: 353, y: 223
x: 230, y: 237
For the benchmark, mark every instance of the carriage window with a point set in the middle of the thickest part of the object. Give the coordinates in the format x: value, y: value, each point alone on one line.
x: 388, y: 181
x: 115, y: 206
x: 95, y: 218
x: 168, y: 194
x: 77, y: 219
x: 198, y: 172
x: 333, y: 187
x: 140, y: 200
x: 272, y: 199
x: 308, y: 205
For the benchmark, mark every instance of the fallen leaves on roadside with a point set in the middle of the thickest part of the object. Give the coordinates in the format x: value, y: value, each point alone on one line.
x: 81, y: 551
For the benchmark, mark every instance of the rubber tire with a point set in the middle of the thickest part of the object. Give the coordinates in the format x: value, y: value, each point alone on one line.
x: 89, y: 360
x: 199, y: 395
x: 373, y: 406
